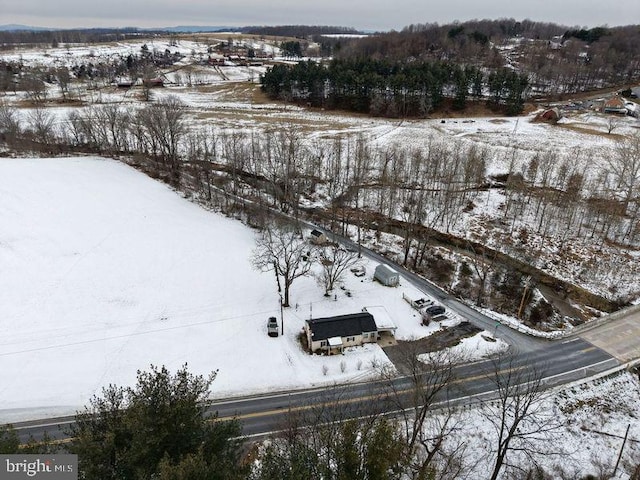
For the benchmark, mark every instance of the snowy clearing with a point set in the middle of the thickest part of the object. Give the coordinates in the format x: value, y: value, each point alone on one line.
x: 108, y: 271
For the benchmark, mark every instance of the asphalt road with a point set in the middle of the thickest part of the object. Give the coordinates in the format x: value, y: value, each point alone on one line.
x: 557, y: 363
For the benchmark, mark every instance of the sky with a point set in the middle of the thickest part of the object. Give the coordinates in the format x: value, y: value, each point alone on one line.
x: 361, y: 14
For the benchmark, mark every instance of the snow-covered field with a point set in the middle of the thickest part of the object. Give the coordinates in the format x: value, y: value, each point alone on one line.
x: 105, y: 271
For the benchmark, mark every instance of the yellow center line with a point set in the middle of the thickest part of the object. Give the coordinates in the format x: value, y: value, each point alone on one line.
x: 280, y: 411
x: 283, y: 410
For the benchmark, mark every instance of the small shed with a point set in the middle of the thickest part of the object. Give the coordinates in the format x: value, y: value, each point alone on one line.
x: 387, y: 275
x: 317, y: 237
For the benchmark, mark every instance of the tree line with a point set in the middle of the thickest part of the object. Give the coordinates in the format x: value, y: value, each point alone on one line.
x: 394, y: 89
x: 10, y: 39
x: 557, y: 59
x: 416, y: 193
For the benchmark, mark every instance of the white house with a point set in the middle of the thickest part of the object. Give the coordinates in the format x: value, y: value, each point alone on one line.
x: 333, y: 334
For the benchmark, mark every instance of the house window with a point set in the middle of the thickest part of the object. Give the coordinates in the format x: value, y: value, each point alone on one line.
x: 351, y: 339
x: 323, y: 343
x: 365, y: 335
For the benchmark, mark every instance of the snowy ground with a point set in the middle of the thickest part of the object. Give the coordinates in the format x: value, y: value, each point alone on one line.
x: 592, y: 419
x: 106, y: 271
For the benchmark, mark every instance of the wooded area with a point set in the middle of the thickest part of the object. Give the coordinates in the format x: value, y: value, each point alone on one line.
x: 391, y: 89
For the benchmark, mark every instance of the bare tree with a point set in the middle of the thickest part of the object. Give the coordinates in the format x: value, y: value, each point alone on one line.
x: 35, y: 89
x: 164, y: 123
x: 282, y: 250
x: 523, y: 425
x: 42, y: 125
x: 335, y: 261
x: 9, y: 123
x: 613, y: 122
x: 482, y: 263
x: 427, y: 420
x: 64, y: 79
x: 624, y: 167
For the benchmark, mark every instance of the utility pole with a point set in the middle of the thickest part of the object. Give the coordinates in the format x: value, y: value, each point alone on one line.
x: 281, y: 316
x: 621, y: 449
x: 527, y: 283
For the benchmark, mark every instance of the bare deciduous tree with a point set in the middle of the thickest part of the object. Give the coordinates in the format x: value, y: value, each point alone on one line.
x: 427, y: 420
x: 9, y: 122
x: 35, y: 88
x: 282, y: 250
x: 624, y: 167
x: 164, y: 123
x: 334, y: 261
x: 64, y: 79
x: 42, y: 124
x: 522, y: 424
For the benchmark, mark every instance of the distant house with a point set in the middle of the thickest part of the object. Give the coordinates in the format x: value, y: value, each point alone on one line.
x: 153, y: 82
x: 216, y: 59
x: 125, y: 83
x: 614, y: 105
x: 387, y: 276
x: 317, y: 237
x: 332, y: 334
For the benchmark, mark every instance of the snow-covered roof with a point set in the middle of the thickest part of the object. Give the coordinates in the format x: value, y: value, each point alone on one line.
x: 342, y: 325
x: 382, y: 318
x: 335, y: 341
x: 385, y: 270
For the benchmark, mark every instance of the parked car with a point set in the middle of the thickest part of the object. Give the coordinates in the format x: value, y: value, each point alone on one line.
x: 272, y: 327
x: 434, y: 310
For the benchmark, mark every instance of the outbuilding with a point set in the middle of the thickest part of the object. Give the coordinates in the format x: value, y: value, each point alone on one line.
x: 317, y: 237
x: 387, y: 276
x: 614, y: 105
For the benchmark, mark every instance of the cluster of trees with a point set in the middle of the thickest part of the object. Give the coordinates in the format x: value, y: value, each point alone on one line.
x: 159, y: 429
x: 281, y: 248
x: 299, y: 31
x: 10, y: 39
x: 416, y: 193
x: 390, y: 88
x: 291, y: 48
x: 582, y: 60
x: 33, y: 81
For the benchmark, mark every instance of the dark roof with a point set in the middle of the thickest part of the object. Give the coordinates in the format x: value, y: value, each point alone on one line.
x: 316, y: 233
x: 342, y: 326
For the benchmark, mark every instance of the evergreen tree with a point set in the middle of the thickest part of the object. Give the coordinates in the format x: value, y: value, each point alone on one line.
x: 9, y: 442
x: 156, y: 429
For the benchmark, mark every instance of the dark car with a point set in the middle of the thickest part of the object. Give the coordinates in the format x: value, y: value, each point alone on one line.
x: 272, y: 327
x: 435, y: 310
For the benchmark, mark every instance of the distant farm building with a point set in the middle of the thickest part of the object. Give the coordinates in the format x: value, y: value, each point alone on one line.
x: 125, y: 83
x: 153, y: 82
x: 614, y: 105
x: 332, y: 334
x: 551, y: 115
x: 387, y: 276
